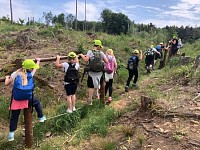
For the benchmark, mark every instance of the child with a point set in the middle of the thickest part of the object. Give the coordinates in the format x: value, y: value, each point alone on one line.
x: 110, y: 73
x: 25, y: 74
x: 149, y: 59
x: 71, y: 79
x: 132, y: 67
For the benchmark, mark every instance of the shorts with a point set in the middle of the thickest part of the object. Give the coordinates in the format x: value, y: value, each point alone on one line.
x: 174, y: 51
x: 157, y: 56
x: 149, y: 60
x: 71, y: 88
x: 90, y: 82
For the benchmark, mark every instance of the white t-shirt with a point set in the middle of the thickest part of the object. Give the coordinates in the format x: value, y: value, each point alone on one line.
x: 15, y: 74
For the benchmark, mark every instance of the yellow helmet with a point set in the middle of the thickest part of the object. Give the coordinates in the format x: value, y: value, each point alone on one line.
x: 72, y: 55
x: 29, y: 64
x: 136, y: 51
x: 161, y: 43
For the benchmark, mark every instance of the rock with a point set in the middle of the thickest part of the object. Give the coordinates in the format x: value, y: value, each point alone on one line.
x: 175, y: 120
x: 48, y: 134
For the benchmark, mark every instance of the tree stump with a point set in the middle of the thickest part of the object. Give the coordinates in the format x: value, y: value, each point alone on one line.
x: 197, y: 62
x: 184, y: 60
x: 23, y: 40
x: 146, y: 103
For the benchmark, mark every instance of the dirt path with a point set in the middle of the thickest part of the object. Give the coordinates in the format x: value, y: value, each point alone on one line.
x: 148, y: 130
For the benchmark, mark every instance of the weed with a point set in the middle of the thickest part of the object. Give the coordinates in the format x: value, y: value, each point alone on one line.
x: 128, y: 130
x: 141, y: 139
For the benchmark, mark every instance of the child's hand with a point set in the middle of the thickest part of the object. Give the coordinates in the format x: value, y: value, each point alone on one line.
x: 38, y: 59
x: 140, y: 51
x: 58, y: 57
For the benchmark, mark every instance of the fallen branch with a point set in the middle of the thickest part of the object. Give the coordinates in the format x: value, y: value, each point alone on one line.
x: 196, y: 97
x: 68, y: 141
x: 177, y: 114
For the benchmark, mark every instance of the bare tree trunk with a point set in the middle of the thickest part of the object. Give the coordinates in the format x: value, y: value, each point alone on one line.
x: 11, y: 13
x: 76, y: 17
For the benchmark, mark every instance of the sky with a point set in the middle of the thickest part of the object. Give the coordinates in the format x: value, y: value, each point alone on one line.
x: 158, y: 12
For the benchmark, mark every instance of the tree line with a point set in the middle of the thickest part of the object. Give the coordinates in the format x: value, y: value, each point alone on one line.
x: 113, y: 23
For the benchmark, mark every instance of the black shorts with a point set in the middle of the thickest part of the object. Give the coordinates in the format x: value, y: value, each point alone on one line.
x: 157, y: 56
x: 149, y: 60
x: 71, y: 88
x: 174, y: 51
x: 90, y: 82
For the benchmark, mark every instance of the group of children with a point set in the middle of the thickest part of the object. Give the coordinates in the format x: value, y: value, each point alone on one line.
x: 23, y: 83
x: 152, y: 54
x: 101, y: 66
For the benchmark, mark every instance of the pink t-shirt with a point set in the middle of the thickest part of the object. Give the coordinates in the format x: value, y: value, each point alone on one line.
x: 18, y: 104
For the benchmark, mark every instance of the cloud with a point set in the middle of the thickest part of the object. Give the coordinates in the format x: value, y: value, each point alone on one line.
x: 93, y: 11
x: 19, y: 9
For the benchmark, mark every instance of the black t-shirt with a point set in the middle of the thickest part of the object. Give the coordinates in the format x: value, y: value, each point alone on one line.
x: 176, y: 44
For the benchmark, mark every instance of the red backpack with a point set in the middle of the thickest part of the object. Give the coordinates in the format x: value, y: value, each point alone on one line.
x: 110, y: 65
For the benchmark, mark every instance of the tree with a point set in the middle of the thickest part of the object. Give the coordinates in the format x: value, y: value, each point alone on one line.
x: 69, y: 20
x: 21, y: 21
x: 11, y: 13
x: 48, y: 17
x: 115, y: 23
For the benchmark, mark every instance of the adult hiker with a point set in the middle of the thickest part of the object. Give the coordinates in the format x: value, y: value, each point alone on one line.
x: 22, y: 93
x: 174, y: 46
x: 159, y: 55
x: 96, y: 60
x: 149, y: 57
x: 110, y: 70
x: 132, y: 67
x: 71, y: 79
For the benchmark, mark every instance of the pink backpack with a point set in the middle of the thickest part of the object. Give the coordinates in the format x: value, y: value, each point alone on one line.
x: 110, y: 65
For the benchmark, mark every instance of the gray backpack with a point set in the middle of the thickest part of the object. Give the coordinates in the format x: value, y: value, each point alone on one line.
x: 96, y: 63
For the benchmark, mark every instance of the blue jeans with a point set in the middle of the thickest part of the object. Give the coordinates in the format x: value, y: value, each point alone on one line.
x: 15, y: 113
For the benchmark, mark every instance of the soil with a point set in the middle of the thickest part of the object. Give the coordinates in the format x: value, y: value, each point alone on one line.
x: 176, y: 128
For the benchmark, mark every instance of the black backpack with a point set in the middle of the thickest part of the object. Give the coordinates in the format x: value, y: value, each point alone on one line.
x: 96, y: 63
x: 71, y: 75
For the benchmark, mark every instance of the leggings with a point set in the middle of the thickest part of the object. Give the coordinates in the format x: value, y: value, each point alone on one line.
x: 108, y: 87
x: 15, y: 113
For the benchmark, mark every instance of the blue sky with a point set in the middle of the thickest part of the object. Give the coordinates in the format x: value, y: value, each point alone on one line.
x: 158, y: 12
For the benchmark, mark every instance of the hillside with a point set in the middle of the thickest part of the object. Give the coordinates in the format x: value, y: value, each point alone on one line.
x: 171, y: 123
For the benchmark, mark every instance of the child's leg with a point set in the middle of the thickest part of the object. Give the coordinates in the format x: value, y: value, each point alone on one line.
x: 69, y: 102
x: 14, y: 120
x: 38, y: 108
x: 136, y: 76
x: 129, y: 77
x: 106, y: 87
x: 73, y: 99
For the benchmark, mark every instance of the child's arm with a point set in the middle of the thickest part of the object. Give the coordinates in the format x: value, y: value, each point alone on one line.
x: 8, y: 80
x: 58, y: 64
x: 84, y: 57
x: 38, y: 63
x: 140, y: 55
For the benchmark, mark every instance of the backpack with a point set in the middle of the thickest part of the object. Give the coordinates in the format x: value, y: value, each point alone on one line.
x: 158, y: 48
x: 21, y: 92
x: 71, y: 75
x: 179, y: 44
x: 110, y: 65
x: 149, y: 52
x: 132, y: 63
x: 96, y: 64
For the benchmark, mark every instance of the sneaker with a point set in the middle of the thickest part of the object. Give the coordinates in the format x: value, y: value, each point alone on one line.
x: 126, y: 88
x: 69, y: 111
x: 109, y: 99
x: 134, y: 85
x: 42, y: 119
x: 11, y: 136
x: 74, y: 109
x: 89, y: 103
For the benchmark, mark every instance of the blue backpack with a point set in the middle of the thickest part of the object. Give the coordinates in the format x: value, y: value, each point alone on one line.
x: 132, y: 63
x: 158, y: 48
x: 21, y: 92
